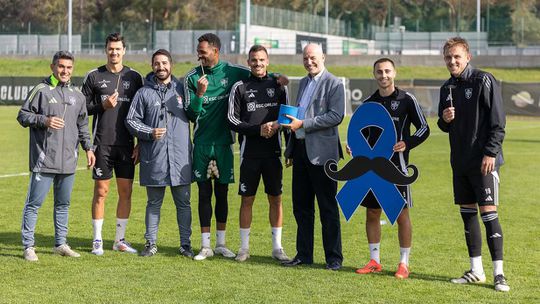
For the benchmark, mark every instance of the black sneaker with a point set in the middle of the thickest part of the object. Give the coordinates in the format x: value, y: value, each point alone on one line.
x: 149, y: 250
x: 185, y: 250
x: 500, y: 283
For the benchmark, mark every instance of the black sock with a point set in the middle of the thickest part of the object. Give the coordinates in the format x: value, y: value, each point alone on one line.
x: 494, y: 234
x: 473, y: 235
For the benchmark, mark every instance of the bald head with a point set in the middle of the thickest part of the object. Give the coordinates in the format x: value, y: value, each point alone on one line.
x: 313, y: 59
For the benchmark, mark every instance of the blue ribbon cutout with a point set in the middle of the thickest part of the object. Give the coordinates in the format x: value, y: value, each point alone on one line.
x: 354, y: 191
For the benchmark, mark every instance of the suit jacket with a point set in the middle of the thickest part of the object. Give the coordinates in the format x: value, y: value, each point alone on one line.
x: 324, y: 113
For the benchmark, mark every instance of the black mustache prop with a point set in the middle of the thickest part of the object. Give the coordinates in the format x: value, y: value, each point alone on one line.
x: 359, y: 165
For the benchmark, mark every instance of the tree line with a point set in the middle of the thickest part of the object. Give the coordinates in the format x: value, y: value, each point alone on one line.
x: 507, y: 21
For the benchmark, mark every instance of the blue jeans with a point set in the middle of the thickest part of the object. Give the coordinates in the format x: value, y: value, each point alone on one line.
x: 40, y: 183
x: 181, y: 196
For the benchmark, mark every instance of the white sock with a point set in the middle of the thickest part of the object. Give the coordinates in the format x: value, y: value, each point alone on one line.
x: 405, y: 253
x: 498, y: 267
x: 97, y: 224
x: 220, y: 238
x: 476, y: 265
x: 276, y: 238
x: 121, y: 225
x: 374, y: 252
x: 205, y: 239
x: 244, y: 238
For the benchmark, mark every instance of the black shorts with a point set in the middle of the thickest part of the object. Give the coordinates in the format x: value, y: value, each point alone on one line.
x: 117, y: 158
x: 251, y: 170
x: 371, y: 202
x: 479, y: 189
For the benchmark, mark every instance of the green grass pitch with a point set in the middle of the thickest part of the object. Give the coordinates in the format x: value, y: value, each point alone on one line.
x: 438, y: 253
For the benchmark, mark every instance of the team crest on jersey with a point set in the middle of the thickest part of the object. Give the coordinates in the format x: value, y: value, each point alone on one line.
x: 179, y: 98
x: 205, y: 99
x: 468, y: 93
x: 72, y: 100
x: 103, y: 97
x: 394, y: 105
x: 251, y: 106
x: 224, y: 82
x: 125, y: 84
x: 271, y: 92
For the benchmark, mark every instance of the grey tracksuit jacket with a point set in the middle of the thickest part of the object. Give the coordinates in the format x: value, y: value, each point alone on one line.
x: 166, y: 161
x: 55, y: 151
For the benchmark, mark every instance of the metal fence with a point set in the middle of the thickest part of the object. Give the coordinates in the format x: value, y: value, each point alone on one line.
x: 287, y: 19
x: 37, y: 44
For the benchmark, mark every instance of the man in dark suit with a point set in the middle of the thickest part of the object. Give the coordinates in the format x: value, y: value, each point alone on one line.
x: 321, y: 104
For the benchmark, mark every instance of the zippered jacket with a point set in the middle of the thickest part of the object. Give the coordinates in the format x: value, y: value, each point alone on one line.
x: 165, y: 161
x: 478, y: 127
x: 209, y: 112
x: 55, y: 151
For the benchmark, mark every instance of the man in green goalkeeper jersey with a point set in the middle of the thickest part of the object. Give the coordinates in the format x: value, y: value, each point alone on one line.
x: 207, y: 89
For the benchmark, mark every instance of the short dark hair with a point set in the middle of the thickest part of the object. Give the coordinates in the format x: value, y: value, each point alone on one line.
x: 212, y: 40
x: 257, y: 48
x: 163, y: 52
x: 384, y: 59
x: 62, y: 55
x: 114, y: 37
x: 454, y: 41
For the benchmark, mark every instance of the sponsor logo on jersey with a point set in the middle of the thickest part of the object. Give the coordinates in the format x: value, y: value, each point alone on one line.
x: 394, y: 105
x: 103, y: 85
x: 53, y: 100
x: 271, y: 92
x: 157, y: 103
x: 126, y: 84
x: 224, y: 82
x: 251, y: 106
x: 468, y: 93
x: 251, y: 95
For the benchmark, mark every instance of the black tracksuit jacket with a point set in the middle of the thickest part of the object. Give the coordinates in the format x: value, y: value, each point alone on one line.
x: 478, y: 127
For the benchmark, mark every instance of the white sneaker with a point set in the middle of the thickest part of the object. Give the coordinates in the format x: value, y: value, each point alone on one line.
x: 243, y: 255
x: 500, y: 283
x: 97, y: 247
x: 123, y: 246
x: 470, y: 277
x: 30, y: 255
x: 205, y: 252
x: 65, y: 250
x: 224, y: 251
x: 280, y: 255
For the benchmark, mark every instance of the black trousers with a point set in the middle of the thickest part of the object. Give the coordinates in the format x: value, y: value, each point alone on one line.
x: 310, y: 181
